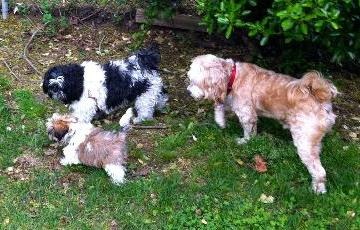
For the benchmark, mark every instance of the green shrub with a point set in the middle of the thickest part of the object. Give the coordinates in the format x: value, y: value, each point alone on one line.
x: 331, y: 25
x: 53, y: 24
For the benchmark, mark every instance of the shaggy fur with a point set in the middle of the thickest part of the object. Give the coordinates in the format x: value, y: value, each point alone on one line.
x: 88, y: 145
x: 92, y: 89
x: 302, y: 105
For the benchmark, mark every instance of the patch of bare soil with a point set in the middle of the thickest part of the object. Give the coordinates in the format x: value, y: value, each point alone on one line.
x: 347, y: 108
x: 72, y: 178
x: 23, y: 166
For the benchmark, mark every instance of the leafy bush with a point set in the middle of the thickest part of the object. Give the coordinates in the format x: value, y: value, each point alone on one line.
x: 53, y: 24
x: 332, y: 24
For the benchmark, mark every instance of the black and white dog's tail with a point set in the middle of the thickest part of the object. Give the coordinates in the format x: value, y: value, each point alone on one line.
x: 149, y: 58
x: 125, y: 121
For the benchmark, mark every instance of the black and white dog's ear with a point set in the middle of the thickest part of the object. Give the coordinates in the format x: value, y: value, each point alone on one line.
x: 50, y: 75
x: 46, y: 79
x: 149, y: 58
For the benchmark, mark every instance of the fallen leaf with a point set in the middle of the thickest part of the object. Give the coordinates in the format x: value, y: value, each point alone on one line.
x: 194, y: 138
x: 6, y: 221
x: 125, y: 38
x: 114, y: 225
x: 159, y: 40
x: 240, y: 162
x: 266, y: 199
x: 141, y: 161
x: 260, y: 164
x: 353, y: 135
x: 198, y: 211
x: 350, y: 213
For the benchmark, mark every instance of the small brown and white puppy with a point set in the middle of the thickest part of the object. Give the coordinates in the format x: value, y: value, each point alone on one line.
x: 302, y: 105
x: 92, y: 146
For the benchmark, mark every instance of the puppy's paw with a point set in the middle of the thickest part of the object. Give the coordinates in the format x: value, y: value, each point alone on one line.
x: 69, y: 160
x: 116, y: 173
x: 126, y: 118
x: 319, y: 187
x: 137, y: 120
x: 241, y: 141
x: 64, y: 161
x: 222, y: 125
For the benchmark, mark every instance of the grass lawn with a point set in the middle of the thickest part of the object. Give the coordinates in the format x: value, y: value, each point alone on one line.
x: 207, y: 183
x: 190, y: 176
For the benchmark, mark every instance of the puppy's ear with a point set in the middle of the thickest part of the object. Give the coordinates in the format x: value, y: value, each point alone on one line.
x: 45, y: 83
x: 60, y: 129
x: 218, y: 71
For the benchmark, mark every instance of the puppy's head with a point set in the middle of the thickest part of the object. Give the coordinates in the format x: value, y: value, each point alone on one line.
x: 58, y: 126
x: 149, y: 58
x: 64, y: 82
x: 208, y: 77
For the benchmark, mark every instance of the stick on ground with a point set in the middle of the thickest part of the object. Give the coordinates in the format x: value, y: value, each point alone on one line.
x: 12, y: 73
x: 149, y: 127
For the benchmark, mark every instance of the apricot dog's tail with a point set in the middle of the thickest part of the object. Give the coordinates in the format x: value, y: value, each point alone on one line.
x: 322, y: 89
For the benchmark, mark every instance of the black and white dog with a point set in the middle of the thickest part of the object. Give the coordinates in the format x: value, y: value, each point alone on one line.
x: 91, y: 88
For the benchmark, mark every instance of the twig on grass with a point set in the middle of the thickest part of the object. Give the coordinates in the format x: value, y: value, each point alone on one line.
x: 91, y: 15
x: 149, y: 127
x: 7, y: 65
x: 101, y: 41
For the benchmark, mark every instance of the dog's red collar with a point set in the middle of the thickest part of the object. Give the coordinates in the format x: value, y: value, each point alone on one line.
x: 232, y: 79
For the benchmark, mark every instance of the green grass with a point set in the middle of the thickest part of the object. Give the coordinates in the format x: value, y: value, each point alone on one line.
x: 21, y: 125
x: 214, y: 192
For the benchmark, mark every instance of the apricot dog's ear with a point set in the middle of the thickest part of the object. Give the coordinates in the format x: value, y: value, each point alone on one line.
x: 60, y: 129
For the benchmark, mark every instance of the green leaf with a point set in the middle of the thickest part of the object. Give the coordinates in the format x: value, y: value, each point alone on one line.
x: 288, y: 40
x: 319, y: 24
x: 351, y: 55
x: 222, y: 6
x: 304, y: 28
x: 239, y: 23
x: 246, y: 12
x: 264, y: 40
x: 252, y: 3
x: 252, y: 33
x: 282, y: 14
x: 229, y: 31
x: 222, y: 20
x: 287, y: 24
x: 334, y: 25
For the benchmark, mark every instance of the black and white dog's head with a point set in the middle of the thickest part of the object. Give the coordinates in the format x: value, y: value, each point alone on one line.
x: 149, y: 58
x: 64, y: 82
